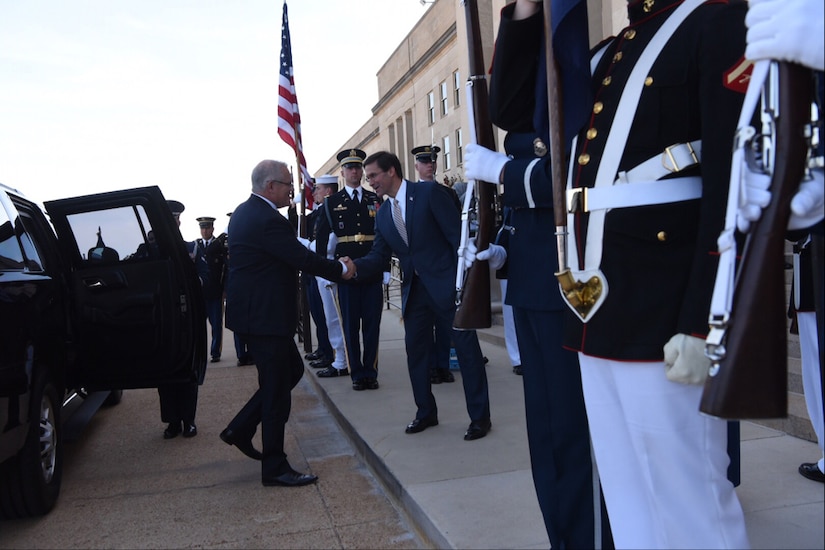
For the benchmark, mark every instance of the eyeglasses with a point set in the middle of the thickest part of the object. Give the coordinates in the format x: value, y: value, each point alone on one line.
x: 371, y: 177
x: 279, y: 181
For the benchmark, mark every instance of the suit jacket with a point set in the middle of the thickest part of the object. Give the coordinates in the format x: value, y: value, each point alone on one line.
x: 433, y: 230
x: 263, y: 274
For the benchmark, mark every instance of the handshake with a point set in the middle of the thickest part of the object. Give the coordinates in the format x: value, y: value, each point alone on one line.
x: 350, y: 269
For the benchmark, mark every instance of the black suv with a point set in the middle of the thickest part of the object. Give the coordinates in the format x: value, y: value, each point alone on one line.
x: 105, y: 297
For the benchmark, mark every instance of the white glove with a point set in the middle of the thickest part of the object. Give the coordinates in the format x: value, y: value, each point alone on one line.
x: 685, y: 360
x: 304, y: 241
x: 386, y: 279
x: 787, y: 31
x: 481, y: 164
x: 807, y: 204
x: 470, y: 253
x: 496, y: 254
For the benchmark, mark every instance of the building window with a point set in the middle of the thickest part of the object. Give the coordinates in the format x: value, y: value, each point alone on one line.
x: 444, y: 98
x: 456, y: 89
x: 447, y: 153
x: 431, y: 108
x: 459, y: 148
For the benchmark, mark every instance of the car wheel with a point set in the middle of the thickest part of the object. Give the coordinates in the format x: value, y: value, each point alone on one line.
x: 114, y: 398
x: 30, y: 481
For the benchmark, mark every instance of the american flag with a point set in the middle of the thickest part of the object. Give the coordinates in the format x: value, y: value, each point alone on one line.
x: 289, y: 119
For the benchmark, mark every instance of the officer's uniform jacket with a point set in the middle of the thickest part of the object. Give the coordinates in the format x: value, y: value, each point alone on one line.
x: 210, y: 264
x: 353, y: 224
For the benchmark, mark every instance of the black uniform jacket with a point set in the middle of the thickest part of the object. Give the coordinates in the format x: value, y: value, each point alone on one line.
x: 353, y: 224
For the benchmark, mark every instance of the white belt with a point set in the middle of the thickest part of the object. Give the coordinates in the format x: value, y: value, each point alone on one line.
x: 643, y: 193
x: 673, y: 159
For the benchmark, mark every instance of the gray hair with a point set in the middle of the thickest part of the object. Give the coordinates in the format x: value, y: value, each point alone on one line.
x: 266, y: 171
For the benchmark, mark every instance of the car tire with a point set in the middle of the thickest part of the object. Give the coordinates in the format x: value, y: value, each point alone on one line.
x: 114, y: 398
x: 30, y: 481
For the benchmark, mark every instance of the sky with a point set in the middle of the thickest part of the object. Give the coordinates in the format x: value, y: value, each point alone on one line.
x: 98, y: 95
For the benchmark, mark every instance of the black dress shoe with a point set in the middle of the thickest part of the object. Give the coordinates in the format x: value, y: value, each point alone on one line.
x: 320, y: 363
x: 359, y: 385
x: 215, y: 359
x: 172, y: 430
x: 517, y: 370
x: 445, y: 375
x: 811, y: 471
x: 435, y: 378
x: 421, y: 424
x: 477, y: 429
x: 289, y: 479
x: 331, y: 372
x: 243, y: 444
x: 312, y: 356
x: 371, y: 383
x: 189, y: 430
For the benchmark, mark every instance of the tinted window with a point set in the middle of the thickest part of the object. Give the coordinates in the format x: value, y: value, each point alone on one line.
x: 111, y: 235
x: 11, y: 257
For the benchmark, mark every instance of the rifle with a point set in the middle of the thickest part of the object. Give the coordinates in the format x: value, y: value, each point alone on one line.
x: 748, y: 376
x: 473, y: 293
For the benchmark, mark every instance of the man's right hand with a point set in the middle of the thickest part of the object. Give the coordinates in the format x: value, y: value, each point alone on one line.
x: 351, y: 269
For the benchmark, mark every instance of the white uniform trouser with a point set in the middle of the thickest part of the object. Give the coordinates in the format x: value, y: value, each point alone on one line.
x: 510, y: 341
x: 811, y: 375
x: 662, y: 465
x: 336, y: 336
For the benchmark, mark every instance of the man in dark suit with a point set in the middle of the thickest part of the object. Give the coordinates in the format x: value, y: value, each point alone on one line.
x: 425, y: 243
x: 261, y: 307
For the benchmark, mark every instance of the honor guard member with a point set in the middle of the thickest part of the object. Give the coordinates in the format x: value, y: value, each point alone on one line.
x: 178, y: 402
x: 350, y: 215
x: 426, y: 157
x: 210, y: 263
x: 325, y: 186
x: 653, y: 151
x: 323, y: 355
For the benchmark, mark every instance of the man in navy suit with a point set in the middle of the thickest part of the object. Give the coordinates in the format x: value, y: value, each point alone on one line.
x: 425, y: 243
x: 261, y: 307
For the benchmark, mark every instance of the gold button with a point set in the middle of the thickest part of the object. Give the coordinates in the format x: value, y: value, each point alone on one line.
x: 648, y: 81
x: 584, y: 159
x: 597, y: 107
x: 607, y: 80
x: 662, y: 236
x: 617, y: 57
x: 592, y: 133
x: 630, y: 34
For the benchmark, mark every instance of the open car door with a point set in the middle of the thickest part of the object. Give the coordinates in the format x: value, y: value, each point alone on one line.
x: 137, y: 313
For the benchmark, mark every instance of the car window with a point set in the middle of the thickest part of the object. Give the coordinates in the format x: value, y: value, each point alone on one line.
x: 11, y: 257
x: 113, y: 235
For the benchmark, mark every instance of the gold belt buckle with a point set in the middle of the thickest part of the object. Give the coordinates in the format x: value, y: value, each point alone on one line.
x: 359, y: 237
x: 668, y: 155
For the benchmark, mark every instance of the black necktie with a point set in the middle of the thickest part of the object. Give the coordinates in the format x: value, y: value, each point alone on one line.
x: 355, y: 195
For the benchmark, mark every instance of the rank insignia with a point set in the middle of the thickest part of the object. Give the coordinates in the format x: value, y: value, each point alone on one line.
x: 738, y: 77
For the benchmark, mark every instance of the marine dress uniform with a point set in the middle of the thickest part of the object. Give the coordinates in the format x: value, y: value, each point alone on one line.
x: 350, y: 214
x: 654, y: 158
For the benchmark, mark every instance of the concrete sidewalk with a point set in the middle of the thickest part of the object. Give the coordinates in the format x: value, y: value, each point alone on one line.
x: 479, y: 494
